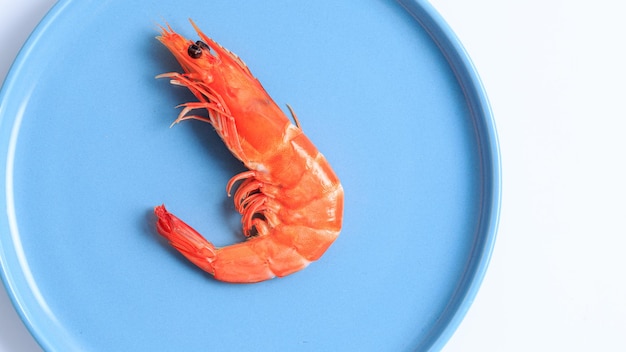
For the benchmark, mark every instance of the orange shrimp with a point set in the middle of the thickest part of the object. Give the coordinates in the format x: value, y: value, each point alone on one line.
x: 290, y: 199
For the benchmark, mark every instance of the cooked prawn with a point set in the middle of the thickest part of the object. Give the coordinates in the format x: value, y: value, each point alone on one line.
x: 290, y: 199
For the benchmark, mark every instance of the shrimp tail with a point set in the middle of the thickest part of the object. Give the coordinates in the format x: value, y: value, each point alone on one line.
x: 185, y: 239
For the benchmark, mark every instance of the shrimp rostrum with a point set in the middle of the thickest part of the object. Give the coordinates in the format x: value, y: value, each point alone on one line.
x: 290, y: 199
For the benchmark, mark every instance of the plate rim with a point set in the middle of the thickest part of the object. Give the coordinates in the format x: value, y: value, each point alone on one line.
x: 480, y: 109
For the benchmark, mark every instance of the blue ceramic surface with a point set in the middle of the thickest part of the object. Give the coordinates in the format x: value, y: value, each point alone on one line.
x: 382, y: 88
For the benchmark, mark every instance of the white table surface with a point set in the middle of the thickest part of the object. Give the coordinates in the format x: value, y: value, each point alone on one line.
x: 555, y: 74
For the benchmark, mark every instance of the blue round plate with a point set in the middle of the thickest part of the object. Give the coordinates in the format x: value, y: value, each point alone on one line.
x: 383, y: 89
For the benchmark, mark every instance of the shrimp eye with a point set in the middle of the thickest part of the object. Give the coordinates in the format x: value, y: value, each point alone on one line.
x: 194, y: 51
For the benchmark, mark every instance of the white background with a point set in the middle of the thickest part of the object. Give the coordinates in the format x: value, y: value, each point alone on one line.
x: 555, y: 73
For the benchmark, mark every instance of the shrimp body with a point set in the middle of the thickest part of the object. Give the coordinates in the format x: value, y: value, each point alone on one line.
x: 290, y: 199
